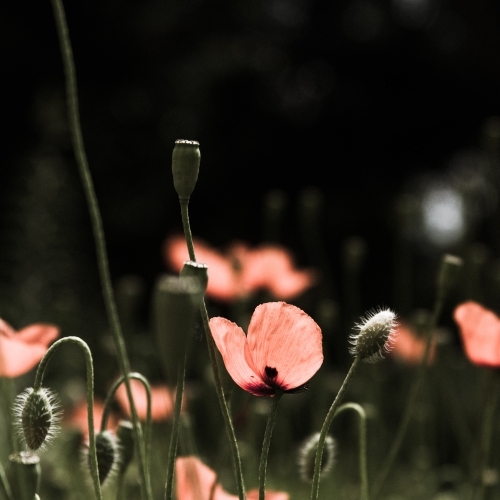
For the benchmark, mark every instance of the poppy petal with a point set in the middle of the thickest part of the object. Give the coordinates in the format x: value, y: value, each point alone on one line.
x: 270, y: 495
x: 480, y: 330
x: 230, y: 340
x: 38, y: 333
x: 17, y: 357
x: 284, y: 338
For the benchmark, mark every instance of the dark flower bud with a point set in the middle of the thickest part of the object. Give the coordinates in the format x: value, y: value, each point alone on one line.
x: 185, y: 166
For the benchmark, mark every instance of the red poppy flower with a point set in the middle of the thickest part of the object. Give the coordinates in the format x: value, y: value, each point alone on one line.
x: 21, y: 351
x: 162, y: 400
x: 480, y: 331
x: 78, y: 417
x: 196, y: 481
x: 408, y: 347
x: 283, y: 349
x: 242, y: 270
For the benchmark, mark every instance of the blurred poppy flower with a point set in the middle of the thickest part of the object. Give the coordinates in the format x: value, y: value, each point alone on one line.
x: 162, y: 400
x: 78, y: 418
x: 283, y: 349
x: 480, y: 331
x: 196, y: 481
x: 409, y: 347
x: 21, y: 351
x: 242, y: 270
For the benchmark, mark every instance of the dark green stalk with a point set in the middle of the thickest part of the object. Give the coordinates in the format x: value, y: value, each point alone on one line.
x: 271, y: 421
x: 412, y: 398
x: 90, y: 398
x: 213, y: 359
x: 172, y: 451
x: 95, y: 216
x: 5, y: 493
x: 363, y: 473
x: 326, y: 426
x: 486, y: 435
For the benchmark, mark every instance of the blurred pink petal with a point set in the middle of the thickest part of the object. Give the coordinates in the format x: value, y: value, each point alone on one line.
x: 162, y: 400
x: 480, y: 331
x: 21, y: 351
x: 409, y: 347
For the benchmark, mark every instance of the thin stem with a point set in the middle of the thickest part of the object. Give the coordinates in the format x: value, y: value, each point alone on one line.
x: 95, y: 216
x: 412, y: 398
x: 172, y: 451
x: 363, y: 472
x: 5, y: 492
x: 90, y: 398
x: 110, y: 397
x: 326, y: 426
x: 486, y: 434
x: 271, y: 421
x: 213, y: 360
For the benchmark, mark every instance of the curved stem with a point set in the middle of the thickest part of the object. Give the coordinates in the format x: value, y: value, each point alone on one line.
x: 412, y: 398
x: 271, y: 421
x: 95, y: 216
x: 172, y: 451
x: 90, y: 398
x: 363, y: 472
x: 213, y: 360
x: 326, y: 426
x: 110, y: 397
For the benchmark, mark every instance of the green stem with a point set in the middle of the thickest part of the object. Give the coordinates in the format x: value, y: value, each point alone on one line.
x: 271, y: 421
x: 109, y: 400
x: 326, y: 426
x: 5, y: 492
x: 213, y: 360
x: 90, y: 398
x: 363, y: 472
x: 95, y: 216
x: 172, y: 451
x: 486, y: 434
x: 412, y: 398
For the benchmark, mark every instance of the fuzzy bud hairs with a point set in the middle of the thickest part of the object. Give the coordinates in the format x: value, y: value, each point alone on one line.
x: 37, y: 416
x: 374, y: 335
x: 307, y: 457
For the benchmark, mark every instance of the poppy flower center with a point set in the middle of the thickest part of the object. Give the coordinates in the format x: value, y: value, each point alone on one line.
x: 271, y: 372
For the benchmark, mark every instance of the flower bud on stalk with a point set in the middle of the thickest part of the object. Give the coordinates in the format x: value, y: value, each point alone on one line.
x: 374, y: 336
x: 307, y: 456
x: 24, y: 475
x: 37, y: 415
x: 177, y: 300
x: 108, y: 456
x: 185, y: 166
x: 125, y: 436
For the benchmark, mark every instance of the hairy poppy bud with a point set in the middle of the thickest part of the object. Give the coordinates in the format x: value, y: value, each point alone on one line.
x: 37, y: 417
x: 374, y: 335
x: 108, y: 456
x: 307, y: 457
x: 185, y: 166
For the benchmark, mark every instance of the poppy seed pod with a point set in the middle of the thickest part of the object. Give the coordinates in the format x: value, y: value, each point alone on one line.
x: 185, y: 166
x: 37, y: 417
x: 23, y: 475
x: 374, y: 335
x: 196, y: 270
x: 177, y: 299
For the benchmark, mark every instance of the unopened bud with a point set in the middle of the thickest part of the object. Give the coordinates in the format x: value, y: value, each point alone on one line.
x: 125, y: 436
x: 24, y: 475
x: 307, y: 457
x: 37, y: 417
x: 196, y: 270
x: 185, y: 167
x: 108, y: 456
x: 448, y: 273
x: 374, y: 335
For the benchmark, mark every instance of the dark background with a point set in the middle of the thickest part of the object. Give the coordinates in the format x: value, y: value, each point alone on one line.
x: 355, y: 98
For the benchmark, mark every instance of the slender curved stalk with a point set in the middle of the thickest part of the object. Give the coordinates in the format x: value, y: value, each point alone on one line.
x: 213, y: 359
x: 326, y: 426
x: 412, y: 398
x: 89, y: 365
x: 271, y: 421
x: 363, y: 472
x: 95, y: 216
x: 172, y: 451
x: 110, y: 397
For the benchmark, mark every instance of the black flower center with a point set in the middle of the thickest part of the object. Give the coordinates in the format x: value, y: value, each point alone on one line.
x: 271, y: 372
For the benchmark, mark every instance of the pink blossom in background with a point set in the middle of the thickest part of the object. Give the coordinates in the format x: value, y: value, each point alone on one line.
x: 242, y: 270
x: 21, y: 351
x: 409, y: 347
